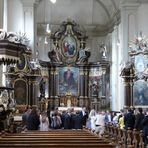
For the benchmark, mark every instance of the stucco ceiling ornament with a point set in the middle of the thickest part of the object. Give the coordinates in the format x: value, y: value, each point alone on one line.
x: 139, y: 56
x: 19, y: 38
x: 11, y: 46
x: 139, y: 44
x: 3, y: 34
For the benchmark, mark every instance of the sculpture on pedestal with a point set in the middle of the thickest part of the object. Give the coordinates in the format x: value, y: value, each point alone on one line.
x: 103, y: 50
x: 42, y: 88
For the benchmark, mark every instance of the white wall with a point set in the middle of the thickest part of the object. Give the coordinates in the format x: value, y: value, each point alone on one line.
x: 142, y: 19
x: 1, y: 13
x: 15, y: 16
x: 94, y: 43
x: 43, y: 48
x: 108, y: 43
x: 1, y: 26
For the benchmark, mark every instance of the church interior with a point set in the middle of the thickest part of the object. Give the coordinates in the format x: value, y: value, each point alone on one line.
x: 74, y: 55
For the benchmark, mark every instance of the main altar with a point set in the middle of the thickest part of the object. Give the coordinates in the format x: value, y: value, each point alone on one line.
x: 73, y: 80
x: 68, y: 79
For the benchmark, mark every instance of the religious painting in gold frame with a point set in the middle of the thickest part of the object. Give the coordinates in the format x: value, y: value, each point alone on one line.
x: 140, y: 93
x: 68, y: 81
x: 69, y: 46
x: 94, y: 81
x: 20, y: 92
x: 140, y: 87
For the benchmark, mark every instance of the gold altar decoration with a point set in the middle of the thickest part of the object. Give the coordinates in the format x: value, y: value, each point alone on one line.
x: 68, y: 95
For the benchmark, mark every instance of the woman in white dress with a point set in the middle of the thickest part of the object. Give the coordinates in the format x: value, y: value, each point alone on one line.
x: 44, y: 122
x: 92, y: 116
x: 100, y: 123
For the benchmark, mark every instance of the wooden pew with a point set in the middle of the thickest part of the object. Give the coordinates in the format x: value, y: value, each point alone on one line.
x: 82, y: 145
x: 124, y: 138
x: 54, y: 139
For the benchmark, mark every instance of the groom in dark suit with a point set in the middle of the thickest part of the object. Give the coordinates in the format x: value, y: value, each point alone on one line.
x: 84, y: 115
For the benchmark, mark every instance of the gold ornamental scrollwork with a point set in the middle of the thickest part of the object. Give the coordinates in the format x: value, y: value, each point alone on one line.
x: 81, y: 73
x: 29, y: 82
x: 35, y: 82
x: 56, y: 72
x: 52, y: 72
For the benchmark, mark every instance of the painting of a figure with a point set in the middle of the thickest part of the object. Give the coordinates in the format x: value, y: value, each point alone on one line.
x: 20, y: 90
x: 94, y: 86
x: 140, y: 93
x: 94, y: 81
x: 69, y: 46
x: 68, y: 80
x: 140, y: 63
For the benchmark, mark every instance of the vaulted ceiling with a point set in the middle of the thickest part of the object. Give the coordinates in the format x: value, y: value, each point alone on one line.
x: 96, y: 16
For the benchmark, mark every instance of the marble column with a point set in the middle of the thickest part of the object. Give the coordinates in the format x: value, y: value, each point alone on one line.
x: 104, y: 82
x: 55, y: 85
x: 51, y: 86
x: 29, y: 101
x: 86, y: 81
x: 34, y: 90
x: 81, y: 87
x: 128, y: 91
x: 30, y: 27
x: 128, y: 30
x: 1, y: 27
x: 114, y: 71
x: 129, y: 10
x: 1, y: 13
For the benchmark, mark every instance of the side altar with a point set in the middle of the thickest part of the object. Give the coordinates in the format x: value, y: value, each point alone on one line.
x: 73, y: 80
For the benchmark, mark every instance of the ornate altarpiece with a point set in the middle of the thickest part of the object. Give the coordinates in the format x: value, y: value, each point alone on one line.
x: 24, y: 78
x: 135, y: 74
x: 73, y: 81
x: 21, y: 75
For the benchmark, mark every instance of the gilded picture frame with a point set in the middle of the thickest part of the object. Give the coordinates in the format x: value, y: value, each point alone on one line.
x: 69, y: 46
x: 140, y: 93
x: 68, y: 81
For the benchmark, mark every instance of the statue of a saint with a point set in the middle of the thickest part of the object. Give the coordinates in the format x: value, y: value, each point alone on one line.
x: 42, y: 88
x: 54, y: 54
x: 11, y: 102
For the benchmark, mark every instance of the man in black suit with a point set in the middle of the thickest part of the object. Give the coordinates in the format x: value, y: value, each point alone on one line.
x: 77, y: 120
x: 84, y: 115
x: 129, y: 120
x: 138, y: 118
x: 3, y: 116
x: 67, y: 120
x: 145, y: 128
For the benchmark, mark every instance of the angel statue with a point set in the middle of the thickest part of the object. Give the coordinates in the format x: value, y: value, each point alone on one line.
x: 103, y: 50
x: 83, y: 54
